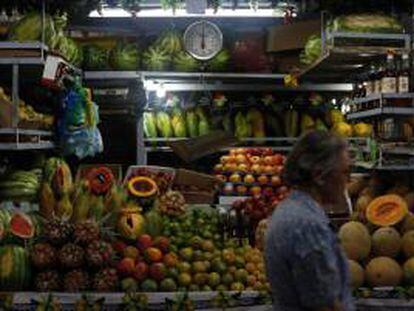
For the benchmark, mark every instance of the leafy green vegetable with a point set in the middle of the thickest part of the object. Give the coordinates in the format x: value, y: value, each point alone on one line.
x: 312, y: 51
x: 367, y: 23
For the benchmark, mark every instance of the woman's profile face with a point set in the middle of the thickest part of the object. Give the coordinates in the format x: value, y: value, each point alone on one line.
x: 335, y: 182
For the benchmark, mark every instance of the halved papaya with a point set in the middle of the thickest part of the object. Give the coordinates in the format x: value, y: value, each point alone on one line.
x: 386, y: 210
x: 142, y: 187
x: 100, y: 180
x: 21, y: 225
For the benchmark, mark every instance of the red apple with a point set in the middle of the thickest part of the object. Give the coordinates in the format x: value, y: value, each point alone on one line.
x: 144, y: 242
x: 141, y: 271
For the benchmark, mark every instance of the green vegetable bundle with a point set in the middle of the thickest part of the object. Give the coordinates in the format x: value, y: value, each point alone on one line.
x: 164, y: 124
x: 312, y: 51
x: 375, y: 23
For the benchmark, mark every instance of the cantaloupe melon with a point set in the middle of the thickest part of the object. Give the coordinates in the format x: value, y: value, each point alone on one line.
x: 387, y: 242
x: 383, y: 271
x: 386, y: 210
x: 357, y: 274
x: 408, y: 244
x: 355, y: 240
x: 361, y: 205
x: 408, y: 223
x: 408, y: 269
x: 409, y: 199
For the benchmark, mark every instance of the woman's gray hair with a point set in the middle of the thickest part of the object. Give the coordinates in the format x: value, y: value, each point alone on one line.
x: 314, y: 155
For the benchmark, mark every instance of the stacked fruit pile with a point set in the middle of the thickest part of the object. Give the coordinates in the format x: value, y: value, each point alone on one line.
x: 260, y: 207
x: 177, y: 123
x: 20, y: 185
x: 16, y: 230
x: 73, y: 258
x: 380, y: 245
x: 251, y: 171
x: 167, y: 52
x: 33, y: 25
x: 194, y: 258
x: 170, y: 247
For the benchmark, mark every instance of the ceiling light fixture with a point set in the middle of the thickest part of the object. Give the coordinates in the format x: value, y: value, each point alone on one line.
x: 117, y: 12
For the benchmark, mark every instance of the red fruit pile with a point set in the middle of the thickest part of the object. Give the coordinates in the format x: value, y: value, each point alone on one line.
x: 250, y: 172
x: 144, y: 261
x: 260, y: 207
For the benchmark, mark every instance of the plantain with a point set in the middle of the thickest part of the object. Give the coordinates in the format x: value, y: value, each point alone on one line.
x: 47, y: 201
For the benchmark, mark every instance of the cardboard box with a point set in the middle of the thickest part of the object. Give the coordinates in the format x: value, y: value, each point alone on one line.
x: 197, y: 188
x: 292, y: 36
x: 185, y: 177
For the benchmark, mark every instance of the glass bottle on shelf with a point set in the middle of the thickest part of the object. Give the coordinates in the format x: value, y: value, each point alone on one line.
x: 389, y: 78
x: 379, y: 72
x: 370, y: 84
x: 404, y: 74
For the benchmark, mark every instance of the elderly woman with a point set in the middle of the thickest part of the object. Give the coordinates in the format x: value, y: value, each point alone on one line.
x: 306, y: 267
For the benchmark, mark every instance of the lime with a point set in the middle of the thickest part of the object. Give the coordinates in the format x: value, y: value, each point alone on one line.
x: 184, y: 279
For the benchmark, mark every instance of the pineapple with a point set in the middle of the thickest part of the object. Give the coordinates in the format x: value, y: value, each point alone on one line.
x: 57, y: 232
x: 86, y: 232
x: 106, y: 280
x: 99, y: 253
x: 71, y: 256
x: 171, y: 203
x: 43, y: 256
x: 47, y: 281
x: 76, y: 281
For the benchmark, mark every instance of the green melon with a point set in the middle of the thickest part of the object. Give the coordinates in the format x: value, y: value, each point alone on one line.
x: 355, y: 240
x: 386, y: 242
x: 5, y: 217
x: 383, y: 271
x: 14, y: 268
x: 408, y: 269
x: 408, y: 223
x: 356, y: 273
x: 408, y: 244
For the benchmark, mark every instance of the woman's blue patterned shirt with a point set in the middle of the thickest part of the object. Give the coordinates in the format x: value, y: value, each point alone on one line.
x: 305, y: 264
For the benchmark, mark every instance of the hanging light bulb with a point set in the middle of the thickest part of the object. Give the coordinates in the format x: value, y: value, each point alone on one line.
x: 161, y: 91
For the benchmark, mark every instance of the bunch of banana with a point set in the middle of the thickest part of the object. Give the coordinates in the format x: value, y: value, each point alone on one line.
x: 27, y: 113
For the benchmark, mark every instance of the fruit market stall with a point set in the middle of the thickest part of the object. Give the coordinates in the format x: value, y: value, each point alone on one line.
x: 179, y: 222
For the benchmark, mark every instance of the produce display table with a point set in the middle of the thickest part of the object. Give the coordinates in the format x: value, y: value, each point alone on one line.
x: 385, y: 304
x: 155, y: 301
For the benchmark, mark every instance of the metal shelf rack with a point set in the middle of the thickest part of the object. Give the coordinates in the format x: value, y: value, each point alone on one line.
x: 385, y: 106
x: 343, y: 54
x: 242, y: 82
x: 16, y: 55
x: 25, y: 139
x: 278, y: 144
x: 212, y: 81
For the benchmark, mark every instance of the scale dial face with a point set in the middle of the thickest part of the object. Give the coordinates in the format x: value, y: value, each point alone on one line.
x: 203, y: 40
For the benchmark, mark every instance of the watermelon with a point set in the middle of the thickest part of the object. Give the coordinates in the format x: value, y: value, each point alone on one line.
x: 15, y: 268
x: 1, y: 231
x: 5, y: 221
x: 21, y: 225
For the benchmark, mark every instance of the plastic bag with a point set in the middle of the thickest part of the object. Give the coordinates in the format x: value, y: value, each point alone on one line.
x: 80, y: 135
